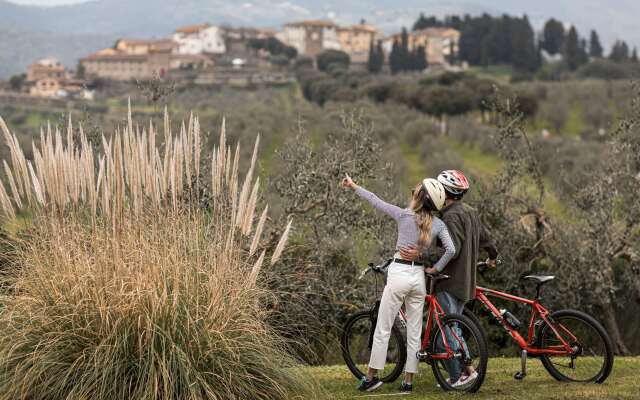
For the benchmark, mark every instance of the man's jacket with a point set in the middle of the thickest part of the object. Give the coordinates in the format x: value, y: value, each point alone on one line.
x: 469, y: 236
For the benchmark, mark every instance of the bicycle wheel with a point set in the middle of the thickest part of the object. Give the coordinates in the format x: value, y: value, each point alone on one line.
x: 472, y: 358
x: 592, y: 360
x: 356, y: 348
x: 468, y: 312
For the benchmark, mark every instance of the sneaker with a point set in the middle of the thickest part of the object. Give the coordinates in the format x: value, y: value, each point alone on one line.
x: 465, y: 380
x: 369, y: 386
x: 406, y: 387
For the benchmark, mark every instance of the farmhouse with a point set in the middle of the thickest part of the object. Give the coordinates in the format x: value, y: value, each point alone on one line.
x: 310, y: 37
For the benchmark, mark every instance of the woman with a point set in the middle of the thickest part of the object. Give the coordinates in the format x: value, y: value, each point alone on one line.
x: 417, y: 226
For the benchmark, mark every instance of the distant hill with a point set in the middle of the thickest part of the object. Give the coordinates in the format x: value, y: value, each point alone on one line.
x: 71, y: 31
x: 19, y: 49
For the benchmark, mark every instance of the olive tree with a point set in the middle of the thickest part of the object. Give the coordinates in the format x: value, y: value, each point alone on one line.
x: 593, y: 248
x: 335, y: 233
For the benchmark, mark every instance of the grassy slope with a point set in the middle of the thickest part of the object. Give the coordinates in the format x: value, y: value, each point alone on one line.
x: 499, y: 384
x: 483, y: 164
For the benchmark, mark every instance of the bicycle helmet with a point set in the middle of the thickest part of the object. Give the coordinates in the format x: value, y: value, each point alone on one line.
x: 434, y: 194
x: 454, y: 182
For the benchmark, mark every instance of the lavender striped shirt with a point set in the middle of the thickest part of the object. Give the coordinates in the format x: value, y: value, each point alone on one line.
x: 408, y: 231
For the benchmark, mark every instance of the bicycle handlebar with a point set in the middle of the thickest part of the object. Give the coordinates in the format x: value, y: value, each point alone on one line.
x: 486, y: 264
x: 375, y: 268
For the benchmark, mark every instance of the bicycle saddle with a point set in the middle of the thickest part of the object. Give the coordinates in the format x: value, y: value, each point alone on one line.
x: 540, y: 279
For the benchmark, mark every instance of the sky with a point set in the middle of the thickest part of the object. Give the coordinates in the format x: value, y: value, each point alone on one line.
x: 47, y: 2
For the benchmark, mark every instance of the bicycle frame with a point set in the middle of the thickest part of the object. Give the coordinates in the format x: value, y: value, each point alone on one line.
x: 537, y: 310
x: 434, y: 313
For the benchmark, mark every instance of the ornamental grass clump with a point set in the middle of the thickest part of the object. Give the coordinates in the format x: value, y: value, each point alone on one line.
x: 124, y: 288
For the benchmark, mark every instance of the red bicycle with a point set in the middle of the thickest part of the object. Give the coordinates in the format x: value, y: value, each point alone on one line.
x: 571, y: 345
x: 446, y: 339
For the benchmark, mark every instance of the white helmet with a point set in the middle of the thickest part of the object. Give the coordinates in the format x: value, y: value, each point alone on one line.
x: 454, y: 182
x: 435, y: 194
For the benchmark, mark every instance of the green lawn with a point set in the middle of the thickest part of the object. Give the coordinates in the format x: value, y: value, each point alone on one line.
x: 499, y: 384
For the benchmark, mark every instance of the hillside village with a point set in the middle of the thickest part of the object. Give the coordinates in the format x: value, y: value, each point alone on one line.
x: 209, y: 54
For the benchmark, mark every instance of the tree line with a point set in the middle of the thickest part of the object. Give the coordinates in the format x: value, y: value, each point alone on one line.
x: 487, y: 40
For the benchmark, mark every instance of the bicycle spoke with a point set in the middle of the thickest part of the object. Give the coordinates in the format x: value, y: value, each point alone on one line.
x: 588, y: 352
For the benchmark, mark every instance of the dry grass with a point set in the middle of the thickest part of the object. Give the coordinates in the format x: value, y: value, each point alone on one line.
x: 125, y: 290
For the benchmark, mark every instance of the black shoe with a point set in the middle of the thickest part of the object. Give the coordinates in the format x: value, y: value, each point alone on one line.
x: 369, y: 386
x: 406, y: 387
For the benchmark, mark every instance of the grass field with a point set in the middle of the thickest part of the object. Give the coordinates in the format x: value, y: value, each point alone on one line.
x: 499, y: 384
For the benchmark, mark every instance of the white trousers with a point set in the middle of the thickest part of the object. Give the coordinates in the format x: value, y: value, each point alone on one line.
x: 405, y: 284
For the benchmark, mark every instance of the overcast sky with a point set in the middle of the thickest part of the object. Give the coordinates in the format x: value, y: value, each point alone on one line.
x: 47, y: 2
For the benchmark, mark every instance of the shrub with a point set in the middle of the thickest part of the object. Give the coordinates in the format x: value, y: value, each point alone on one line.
x: 17, y: 81
x: 558, y: 71
x: 303, y: 62
x: 606, y: 69
x: 127, y: 289
x: 378, y: 91
x: 329, y: 57
x: 445, y: 100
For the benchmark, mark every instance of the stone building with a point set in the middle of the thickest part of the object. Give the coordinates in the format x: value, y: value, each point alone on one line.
x: 49, y: 78
x: 310, y: 37
x: 46, y: 68
x: 355, y: 40
x: 439, y: 43
x: 199, y: 39
x: 131, y: 59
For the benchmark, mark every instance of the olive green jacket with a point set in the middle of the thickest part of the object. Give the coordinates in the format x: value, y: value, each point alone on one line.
x: 469, y: 236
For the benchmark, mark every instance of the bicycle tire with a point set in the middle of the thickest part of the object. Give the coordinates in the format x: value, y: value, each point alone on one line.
x: 467, y: 312
x: 395, y: 335
x: 482, y: 350
x: 603, y: 374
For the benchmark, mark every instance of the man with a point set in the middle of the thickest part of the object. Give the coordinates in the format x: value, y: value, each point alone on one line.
x: 468, y: 235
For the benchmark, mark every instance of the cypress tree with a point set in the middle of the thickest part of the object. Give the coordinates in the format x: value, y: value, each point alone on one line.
x: 522, y: 45
x: 595, y: 48
x: 572, y: 49
x: 395, y: 58
x: 583, y: 52
x: 376, y: 57
x: 405, y: 55
x: 420, y: 59
x: 619, y: 52
x: 553, y: 36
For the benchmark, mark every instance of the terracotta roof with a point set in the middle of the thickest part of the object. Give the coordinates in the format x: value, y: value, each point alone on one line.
x: 106, y: 52
x: 438, y: 31
x: 313, y: 22
x: 360, y: 27
x: 147, y: 42
x: 192, y: 28
x: 116, y: 57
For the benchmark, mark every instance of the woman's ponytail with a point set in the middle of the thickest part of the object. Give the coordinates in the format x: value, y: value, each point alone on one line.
x: 424, y: 218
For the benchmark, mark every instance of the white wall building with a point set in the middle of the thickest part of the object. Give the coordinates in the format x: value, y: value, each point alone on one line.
x: 310, y: 37
x: 199, y: 39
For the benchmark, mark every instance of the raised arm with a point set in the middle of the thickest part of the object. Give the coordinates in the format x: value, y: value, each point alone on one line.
x: 449, y: 247
x: 389, y: 209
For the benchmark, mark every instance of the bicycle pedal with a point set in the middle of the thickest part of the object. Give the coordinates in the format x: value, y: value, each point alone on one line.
x: 423, y: 356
